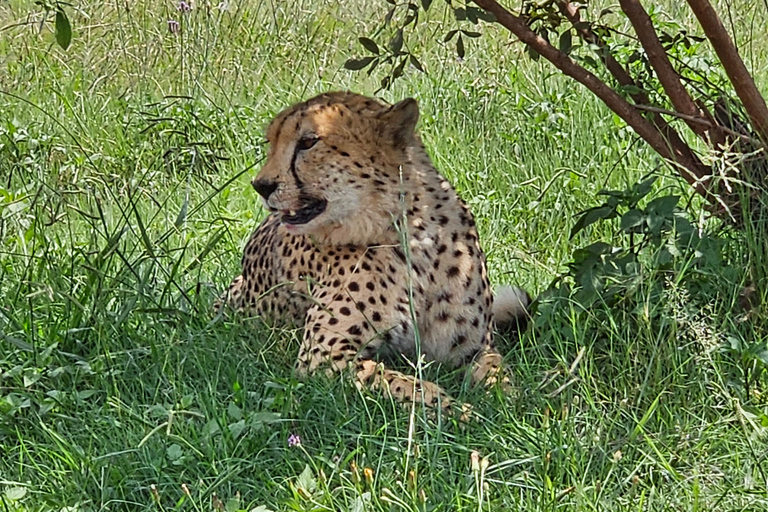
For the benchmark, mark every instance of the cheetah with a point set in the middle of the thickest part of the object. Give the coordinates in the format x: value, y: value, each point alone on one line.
x: 370, y: 250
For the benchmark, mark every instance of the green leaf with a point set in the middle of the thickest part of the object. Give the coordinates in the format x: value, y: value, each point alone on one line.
x: 566, y: 42
x: 472, y: 14
x: 632, y: 219
x: 389, y: 15
x: 232, y: 505
x: 63, y: 30
x: 533, y: 54
x: 306, y: 480
x: 262, y: 417
x: 234, y: 411
x: 415, y: 63
x: 369, y: 44
x: 237, y: 428
x: 15, y: 494
x: 425, y: 4
x: 450, y: 35
x: 486, y: 16
x: 174, y: 452
x: 631, y: 89
x: 460, y: 47
x: 642, y: 189
x: 398, y: 71
x: 460, y: 14
x: 470, y: 33
x: 663, y: 206
x: 358, y: 64
x: 396, y: 44
x: 591, y: 216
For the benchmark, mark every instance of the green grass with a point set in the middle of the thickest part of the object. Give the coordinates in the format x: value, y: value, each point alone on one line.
x: 124, y: 204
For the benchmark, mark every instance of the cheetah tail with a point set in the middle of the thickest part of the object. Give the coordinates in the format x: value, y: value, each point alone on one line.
x: 510, y: 308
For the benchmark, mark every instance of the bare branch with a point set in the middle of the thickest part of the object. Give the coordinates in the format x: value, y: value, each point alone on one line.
x: 742, y: 80
x: 694, y: 171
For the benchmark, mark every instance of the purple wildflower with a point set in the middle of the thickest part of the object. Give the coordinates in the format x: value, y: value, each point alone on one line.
x: 173, y: 26
x: 294, y: 440
x: 184, y: 6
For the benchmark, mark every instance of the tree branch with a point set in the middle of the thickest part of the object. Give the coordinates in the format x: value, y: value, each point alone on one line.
x: 742, y: 80
x: 694, y: 172
x: 669, y: 78
x: 695, y: 119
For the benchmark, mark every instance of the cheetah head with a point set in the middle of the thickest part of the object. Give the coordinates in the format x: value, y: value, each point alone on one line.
x: 335, y: 167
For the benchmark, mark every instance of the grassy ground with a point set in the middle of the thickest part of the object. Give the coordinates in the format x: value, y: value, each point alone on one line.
x: 124, y: 204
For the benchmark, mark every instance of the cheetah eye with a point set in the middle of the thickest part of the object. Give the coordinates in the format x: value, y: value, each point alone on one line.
x: 306, y: 142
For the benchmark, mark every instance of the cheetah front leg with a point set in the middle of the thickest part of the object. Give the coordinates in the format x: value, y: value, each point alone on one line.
x: 231, y: 298
x: 488, y: 366
x: 340, y: 336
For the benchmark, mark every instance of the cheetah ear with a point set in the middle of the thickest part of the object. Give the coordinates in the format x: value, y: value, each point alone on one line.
x: 398, y: 123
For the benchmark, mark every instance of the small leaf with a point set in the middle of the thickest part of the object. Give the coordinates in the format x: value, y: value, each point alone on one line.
x: 533, y: 54
x: 15, y: 494
x: 85, y: 394
x: 234, y: 411
x: 460, y: 14
x: 663, y: 206
x: 306, y: 480
x: 634, y: 57
x: 396, y: 44
x: 389, y: 15
x: 174, y: 452
x: 415, y: 63
x: 259, y: 418
x: 450, y: 35
x: 369, y: 44
x: 211, y: 429
x: 486, y: 16
x: 237, y: 428
x: 591, y: 216
x: 63, y: 30
x: 460, y: 47
x: 632, y: 219
x: 642, y: 189
x: 233, y: 505
x: 358, y: 64
x: 472, y: 14
x: 398, y: 72
x: 566, y: 42
x: 373, y: 66
x: 425, y: 4
x: 469, y: 33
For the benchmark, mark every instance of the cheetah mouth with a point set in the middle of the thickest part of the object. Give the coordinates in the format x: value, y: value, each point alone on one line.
x: 313, y: 208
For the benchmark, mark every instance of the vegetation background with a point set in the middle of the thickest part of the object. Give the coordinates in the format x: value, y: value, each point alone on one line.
x: 124, y: 204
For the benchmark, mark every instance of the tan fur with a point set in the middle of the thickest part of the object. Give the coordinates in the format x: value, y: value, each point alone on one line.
x: 395, y: 251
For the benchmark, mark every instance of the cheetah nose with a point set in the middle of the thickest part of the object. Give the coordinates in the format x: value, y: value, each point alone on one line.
x: 264, y: 188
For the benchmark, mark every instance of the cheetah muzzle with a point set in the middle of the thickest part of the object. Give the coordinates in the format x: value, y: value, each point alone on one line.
x: 345, y: 179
